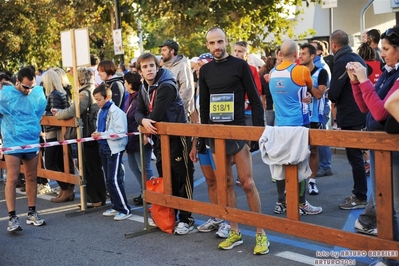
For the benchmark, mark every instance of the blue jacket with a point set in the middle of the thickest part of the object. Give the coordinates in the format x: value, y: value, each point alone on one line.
x: 21, y: 116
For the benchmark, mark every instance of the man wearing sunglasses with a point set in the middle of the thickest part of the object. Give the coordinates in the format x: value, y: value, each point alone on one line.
x: 21, y: 108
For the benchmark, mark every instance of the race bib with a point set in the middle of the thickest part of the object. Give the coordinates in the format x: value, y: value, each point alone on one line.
x: 222, y: 107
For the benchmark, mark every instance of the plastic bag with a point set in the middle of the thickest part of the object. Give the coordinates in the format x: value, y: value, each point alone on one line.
x: 164, y: 217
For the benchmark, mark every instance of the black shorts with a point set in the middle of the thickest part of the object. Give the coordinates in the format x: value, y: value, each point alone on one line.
x: 315, y: 125
x: 232, y: 146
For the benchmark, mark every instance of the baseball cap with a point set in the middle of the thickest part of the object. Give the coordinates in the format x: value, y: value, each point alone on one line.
x: 194, y: 59
x: 171, y: 44
x: 206, y: 57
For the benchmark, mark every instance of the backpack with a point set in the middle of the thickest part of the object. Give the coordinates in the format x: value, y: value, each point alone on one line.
x: 125, y: 102
x: 89, y: 117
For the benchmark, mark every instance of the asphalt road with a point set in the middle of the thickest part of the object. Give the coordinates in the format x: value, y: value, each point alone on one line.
x: 75, y: 238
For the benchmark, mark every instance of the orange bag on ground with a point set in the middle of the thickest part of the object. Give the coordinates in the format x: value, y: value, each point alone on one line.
x: 164, y: 217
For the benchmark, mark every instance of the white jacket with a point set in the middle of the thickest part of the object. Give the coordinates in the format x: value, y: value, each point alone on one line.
x: 280, y: 146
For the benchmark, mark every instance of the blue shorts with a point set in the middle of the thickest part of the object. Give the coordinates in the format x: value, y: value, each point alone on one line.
x: 25, y: 155
x: 206, y: 159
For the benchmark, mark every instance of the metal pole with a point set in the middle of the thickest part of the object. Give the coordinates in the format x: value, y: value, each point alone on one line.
x: 362, y: 16
x: 331, y: 21
x: 118, y: 25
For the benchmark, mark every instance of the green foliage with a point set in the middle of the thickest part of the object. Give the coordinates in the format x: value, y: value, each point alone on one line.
x: 30, y: 32
x: 185, y: 20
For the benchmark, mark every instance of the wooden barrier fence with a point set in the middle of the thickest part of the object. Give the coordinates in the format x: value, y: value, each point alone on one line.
x: 55, y: 175
x: 381, y: 142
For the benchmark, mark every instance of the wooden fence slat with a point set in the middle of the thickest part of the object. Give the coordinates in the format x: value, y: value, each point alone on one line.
x: 318, y: 137
x: 292, y: 191
x: 166, y: 168
x: 383, y: 195
x: 221, y: 172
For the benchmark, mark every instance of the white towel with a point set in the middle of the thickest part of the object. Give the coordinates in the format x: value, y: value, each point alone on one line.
x: 280, y: 146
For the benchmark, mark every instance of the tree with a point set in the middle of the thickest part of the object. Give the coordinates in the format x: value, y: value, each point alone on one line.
x: 250, y: 20
x: 30, y: 32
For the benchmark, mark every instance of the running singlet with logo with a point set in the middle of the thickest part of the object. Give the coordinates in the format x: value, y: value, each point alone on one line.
x: 288, y: 86
x: 316, y: 106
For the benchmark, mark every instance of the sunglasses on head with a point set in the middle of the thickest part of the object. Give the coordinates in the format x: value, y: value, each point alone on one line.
x: 27, y: 87
x: 390, y: 32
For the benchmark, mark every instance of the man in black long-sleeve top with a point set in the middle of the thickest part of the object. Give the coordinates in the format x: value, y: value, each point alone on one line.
x: 159, y: 101
x: 223, y: 83
x: 349, y: 116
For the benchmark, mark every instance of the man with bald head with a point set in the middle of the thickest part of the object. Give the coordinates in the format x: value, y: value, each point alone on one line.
x: 291, y: 86
x: 224, y: 83
x: 349, y: 116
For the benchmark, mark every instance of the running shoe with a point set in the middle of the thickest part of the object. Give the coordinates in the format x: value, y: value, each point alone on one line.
x: 183, y: 228
x: 308, y: 209
x: 13, y: 224
x: 281, y: 207
x: 33, y: 218
x: 110, y: 213
x: 210, y: 225
x: 364, y: 230
x: 352, y: 202
x: 234, y: 239
x: 312, y: 188
x: 262, y: 245
x: 223, y: 231
x: 122, y: 216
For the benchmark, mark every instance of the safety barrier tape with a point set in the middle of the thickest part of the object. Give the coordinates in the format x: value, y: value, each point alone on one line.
x: 66, y: 142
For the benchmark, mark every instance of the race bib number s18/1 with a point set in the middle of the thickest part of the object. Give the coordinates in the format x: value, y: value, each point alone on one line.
x: 222, y: 107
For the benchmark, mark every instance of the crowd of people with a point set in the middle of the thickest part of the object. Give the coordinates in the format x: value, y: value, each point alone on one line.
x: 302, y: 87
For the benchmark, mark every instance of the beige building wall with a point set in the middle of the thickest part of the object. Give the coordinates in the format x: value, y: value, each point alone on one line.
x: 345, y: 17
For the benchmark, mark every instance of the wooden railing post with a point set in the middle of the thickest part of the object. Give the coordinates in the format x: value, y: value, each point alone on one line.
x: 221, y: 172
x: 292, y: 192
x: 383, y: 194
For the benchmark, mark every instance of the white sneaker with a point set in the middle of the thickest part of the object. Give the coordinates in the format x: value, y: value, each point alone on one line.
x: 34, y: 219
x: 210, y: 225
x: 183, y: 228
x: 312, y: 187
x: 110, y: 213
x: 309, y: 209
x: 122, y: 216
x: 361, y: 229
x: 13, y: 224
x: 43, y: 189
x: 223, y: 231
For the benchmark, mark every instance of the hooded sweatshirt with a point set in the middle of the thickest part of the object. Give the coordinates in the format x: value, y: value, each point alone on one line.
x: 180, y: 68
x: 167, y: 106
